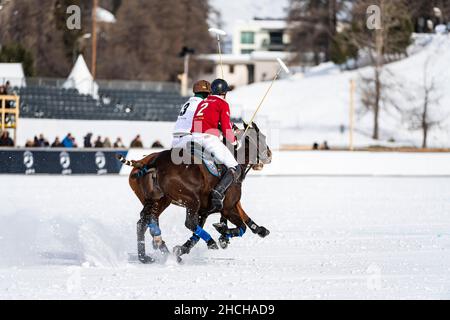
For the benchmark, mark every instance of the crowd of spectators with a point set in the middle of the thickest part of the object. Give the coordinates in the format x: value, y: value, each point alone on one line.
x: 69, y: 142
x: 324, y: 146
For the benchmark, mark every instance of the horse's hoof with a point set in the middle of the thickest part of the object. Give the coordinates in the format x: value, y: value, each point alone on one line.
x: 221, y: 228
x: 146, y: 259
x: 180, y: 250
x: 212, y: 245
x: 177, y: 251
x: 223, y: 242
x: 163, y: 248
x: 263, y: 232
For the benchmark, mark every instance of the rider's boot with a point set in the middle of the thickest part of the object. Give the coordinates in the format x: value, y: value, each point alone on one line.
x: 218, y: 193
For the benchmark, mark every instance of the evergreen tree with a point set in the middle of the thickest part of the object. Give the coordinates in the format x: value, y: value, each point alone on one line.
x: 143, y: 44
x: 17, y: 53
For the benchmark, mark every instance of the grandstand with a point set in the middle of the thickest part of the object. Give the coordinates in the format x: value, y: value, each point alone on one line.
x: 51, y: 102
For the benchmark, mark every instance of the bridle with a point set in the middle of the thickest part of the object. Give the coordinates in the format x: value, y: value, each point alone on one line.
x: 249, y: 166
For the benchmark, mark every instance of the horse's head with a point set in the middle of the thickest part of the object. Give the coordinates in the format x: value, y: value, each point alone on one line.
x: 256, y: 149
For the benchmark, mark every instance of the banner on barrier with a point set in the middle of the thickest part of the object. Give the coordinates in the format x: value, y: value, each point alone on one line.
x: 60, y: 161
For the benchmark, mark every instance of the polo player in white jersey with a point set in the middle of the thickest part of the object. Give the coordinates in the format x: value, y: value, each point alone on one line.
x: 183, y: 126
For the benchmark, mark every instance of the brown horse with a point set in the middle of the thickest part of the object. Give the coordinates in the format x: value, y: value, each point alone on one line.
x: 159, y: 182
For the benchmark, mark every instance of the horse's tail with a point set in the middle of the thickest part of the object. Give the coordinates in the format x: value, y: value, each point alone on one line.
x: 144, y: 169
x: 134, y: 164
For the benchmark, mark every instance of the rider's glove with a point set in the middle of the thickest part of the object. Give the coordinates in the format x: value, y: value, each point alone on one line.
x: 238, y: 144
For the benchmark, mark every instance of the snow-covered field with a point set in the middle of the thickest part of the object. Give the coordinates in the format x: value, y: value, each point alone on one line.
x: 69, y: 237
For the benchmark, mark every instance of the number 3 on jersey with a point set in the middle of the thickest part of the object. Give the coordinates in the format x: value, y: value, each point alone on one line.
x: 200, y: 112
x: 184, y: 109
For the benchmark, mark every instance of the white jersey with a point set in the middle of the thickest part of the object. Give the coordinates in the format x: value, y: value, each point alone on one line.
x: 183, y: 125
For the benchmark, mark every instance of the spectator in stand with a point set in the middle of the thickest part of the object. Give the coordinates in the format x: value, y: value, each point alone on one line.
x: 137, y: 143
x: 42, y: 142
x: 325, y: 146
x: 157, y: 145
x: 29, y: 144
x: 8, y: 90
x: 98, y: 143
x: 107, y: 143
x: 57, y: 143
x: 87, y: 140
x: 5, y: 140
x: 69, y: 141
x: 315, y: 146
x: 2, y: 91
x: 119, y: 144
x: 35, y: 142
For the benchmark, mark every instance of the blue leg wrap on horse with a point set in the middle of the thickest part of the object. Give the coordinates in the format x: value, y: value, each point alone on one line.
x: 155, y: 231
x: 202, y: 234
x: 195, y: 238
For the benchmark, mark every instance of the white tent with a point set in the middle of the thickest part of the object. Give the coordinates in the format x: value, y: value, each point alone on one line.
x: 12, y: 72
x: 80, y: 78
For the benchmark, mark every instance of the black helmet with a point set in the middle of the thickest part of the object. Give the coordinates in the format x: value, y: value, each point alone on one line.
x: 219, y: 87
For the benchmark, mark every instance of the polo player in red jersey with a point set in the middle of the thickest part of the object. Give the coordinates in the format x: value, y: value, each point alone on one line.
x: 211, y: 114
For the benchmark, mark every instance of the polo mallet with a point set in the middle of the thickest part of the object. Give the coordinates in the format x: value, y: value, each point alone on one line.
x: 282, y: 67
x: 219, y: 33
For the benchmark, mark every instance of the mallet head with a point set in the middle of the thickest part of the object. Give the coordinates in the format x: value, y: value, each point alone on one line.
x: 283, y: 65
x: 217, y: 32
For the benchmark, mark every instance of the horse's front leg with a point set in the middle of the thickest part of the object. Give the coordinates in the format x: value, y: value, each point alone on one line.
x: 195, y: 223
x: 192, y: 241
x: 222, y: 227
x: 228, y: 233
x: 259, y: 230
x: 238, y: 217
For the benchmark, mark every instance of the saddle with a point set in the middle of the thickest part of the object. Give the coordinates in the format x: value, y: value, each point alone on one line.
x: 207, y: 159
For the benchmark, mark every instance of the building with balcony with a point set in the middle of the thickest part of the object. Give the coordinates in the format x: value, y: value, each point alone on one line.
x: 260, y: 35
x: 256, y: 46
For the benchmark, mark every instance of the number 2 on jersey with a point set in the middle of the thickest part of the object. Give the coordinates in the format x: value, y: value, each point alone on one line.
x: 200, y: 112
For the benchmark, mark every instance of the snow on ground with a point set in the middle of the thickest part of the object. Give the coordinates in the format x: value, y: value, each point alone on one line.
x: 313, y: 107
x: 69, y: 237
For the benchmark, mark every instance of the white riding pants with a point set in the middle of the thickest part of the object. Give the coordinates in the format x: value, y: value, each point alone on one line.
x: 212, y: 145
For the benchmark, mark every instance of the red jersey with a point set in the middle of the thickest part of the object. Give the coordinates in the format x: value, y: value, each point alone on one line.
x: 209, y: 114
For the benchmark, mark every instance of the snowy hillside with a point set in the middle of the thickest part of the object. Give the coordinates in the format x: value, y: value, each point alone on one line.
x: 313, y: 107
